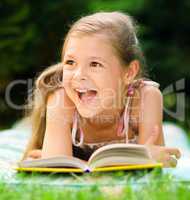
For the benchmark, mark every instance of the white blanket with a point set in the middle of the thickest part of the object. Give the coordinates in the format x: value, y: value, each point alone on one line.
x: 14, y: 141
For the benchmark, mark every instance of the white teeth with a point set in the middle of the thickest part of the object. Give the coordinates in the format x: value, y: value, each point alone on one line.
x: 83, y: 90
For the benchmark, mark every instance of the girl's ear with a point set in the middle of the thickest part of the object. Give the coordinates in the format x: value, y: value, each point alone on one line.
x: 131, y: 71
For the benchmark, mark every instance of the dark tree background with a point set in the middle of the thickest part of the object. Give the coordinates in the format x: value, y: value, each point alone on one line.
x: 32, y: 33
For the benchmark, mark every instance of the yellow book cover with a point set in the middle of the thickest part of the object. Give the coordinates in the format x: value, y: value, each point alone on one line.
x: 99, y: 169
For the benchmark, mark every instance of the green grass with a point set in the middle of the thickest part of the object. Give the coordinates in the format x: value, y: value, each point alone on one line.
x: 156, y: 186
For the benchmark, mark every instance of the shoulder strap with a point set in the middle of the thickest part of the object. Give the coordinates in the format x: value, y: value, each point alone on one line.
x: 153, y: 83
x: 126, y: 119
x: 144, y: 81
x: 74, y: 131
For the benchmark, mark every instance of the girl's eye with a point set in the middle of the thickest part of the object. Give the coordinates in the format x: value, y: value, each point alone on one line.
x: 95, y: 64
x: 69, y: 62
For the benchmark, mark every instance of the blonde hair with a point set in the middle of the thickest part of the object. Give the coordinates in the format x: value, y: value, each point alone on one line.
x: 120, y: 30
x: 48, y: 81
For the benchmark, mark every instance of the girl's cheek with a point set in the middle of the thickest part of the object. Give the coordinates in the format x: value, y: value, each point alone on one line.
x: 67, y: 76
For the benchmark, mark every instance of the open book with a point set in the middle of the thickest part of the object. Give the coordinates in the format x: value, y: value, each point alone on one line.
x: 107, y: 158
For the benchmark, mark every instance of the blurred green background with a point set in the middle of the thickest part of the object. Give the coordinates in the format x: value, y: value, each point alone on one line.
x: 32, y: 32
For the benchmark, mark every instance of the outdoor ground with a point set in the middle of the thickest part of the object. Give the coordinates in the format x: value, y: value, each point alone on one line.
x: 119, y: 185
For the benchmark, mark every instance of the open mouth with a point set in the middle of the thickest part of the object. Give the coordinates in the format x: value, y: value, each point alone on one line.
x: 86, y: 95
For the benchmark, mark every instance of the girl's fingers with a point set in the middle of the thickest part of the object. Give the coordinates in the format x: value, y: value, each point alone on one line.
x: 173, y: 161
x: 154, y: 135
x: 37, y: 153
x: 169, y: 161
x: 174, y: 151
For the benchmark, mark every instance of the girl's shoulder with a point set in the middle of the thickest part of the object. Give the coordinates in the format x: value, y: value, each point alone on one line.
x: 146, y: 91
x: 151, y: 83
x: 145, y: 82
x: 146, y: 86
x: 150, y: 88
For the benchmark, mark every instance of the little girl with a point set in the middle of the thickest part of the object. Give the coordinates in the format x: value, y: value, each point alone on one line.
x: 98, y: 94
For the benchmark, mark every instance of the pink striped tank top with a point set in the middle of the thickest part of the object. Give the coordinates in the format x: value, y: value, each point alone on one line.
x: 122, y: 126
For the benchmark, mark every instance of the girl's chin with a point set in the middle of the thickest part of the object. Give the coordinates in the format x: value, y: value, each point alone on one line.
x: 88, y: 112
x: 92, y: 109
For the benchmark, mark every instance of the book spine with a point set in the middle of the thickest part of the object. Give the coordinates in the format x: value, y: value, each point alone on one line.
x: 87, y: 170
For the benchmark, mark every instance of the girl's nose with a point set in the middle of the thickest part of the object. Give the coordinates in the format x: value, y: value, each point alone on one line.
x: 80, y: 74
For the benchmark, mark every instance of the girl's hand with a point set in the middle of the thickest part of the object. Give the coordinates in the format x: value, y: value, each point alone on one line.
x: 166, y: 155
x: 34, y: 154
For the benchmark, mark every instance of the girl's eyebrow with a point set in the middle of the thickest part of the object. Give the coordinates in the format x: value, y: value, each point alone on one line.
x: 91, y: 57
x: 96, y: 57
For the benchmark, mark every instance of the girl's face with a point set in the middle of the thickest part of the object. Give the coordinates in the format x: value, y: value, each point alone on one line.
x: 92, y: 75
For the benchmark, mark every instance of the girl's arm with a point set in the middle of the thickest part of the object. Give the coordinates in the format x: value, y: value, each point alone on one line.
x: 59, y: 113
x: 150, y: 127
x: 150, y: 115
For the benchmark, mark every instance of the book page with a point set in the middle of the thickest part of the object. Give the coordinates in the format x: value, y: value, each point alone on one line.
x: 120, y: 153
x: 57, y: 161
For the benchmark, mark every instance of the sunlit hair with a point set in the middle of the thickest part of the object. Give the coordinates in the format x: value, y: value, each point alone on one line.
x: 118, y: 28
